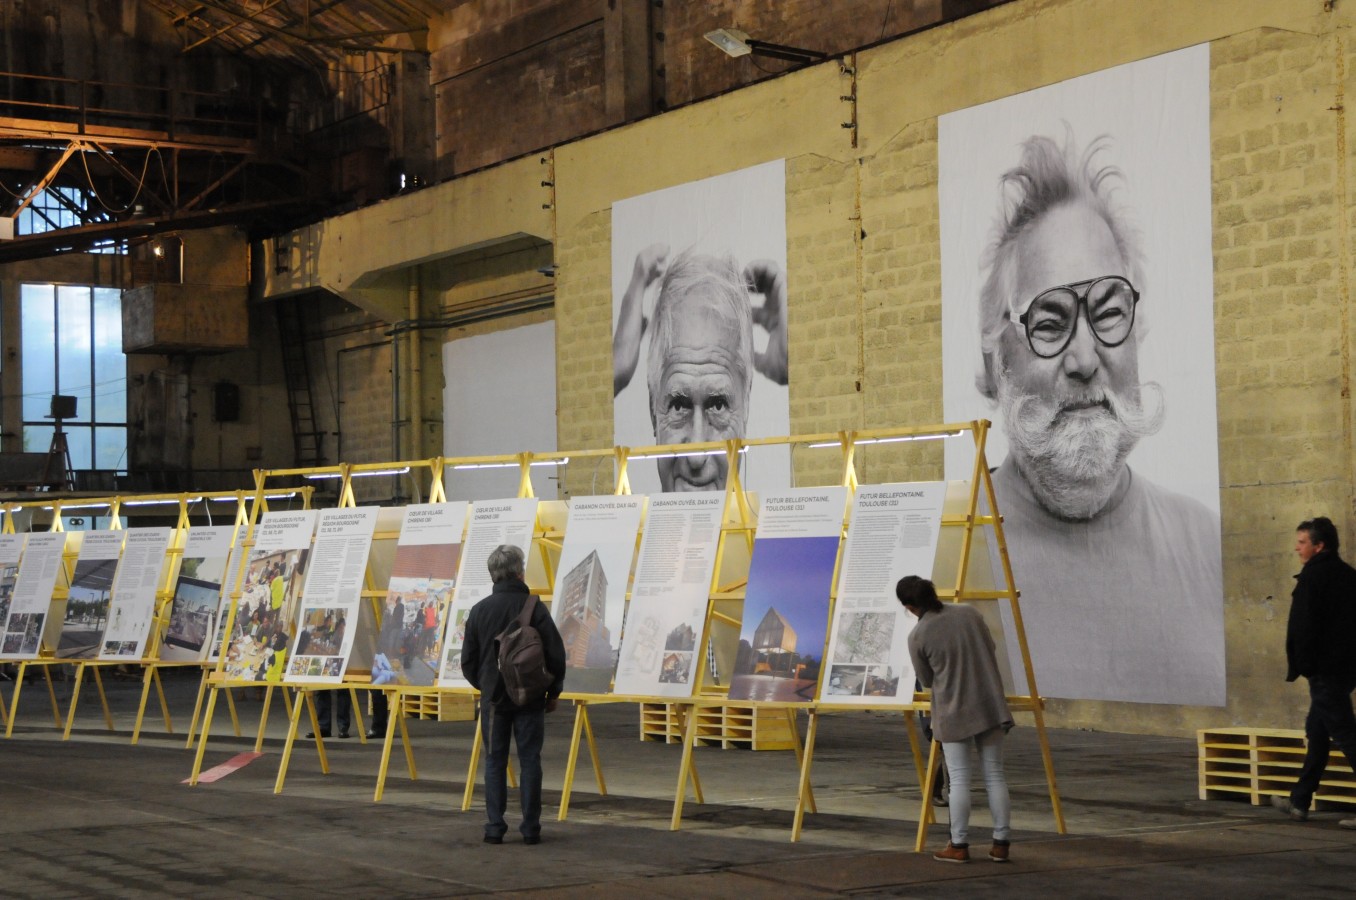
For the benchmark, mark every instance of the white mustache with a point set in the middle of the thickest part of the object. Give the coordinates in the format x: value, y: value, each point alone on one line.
x: 1036, y: 417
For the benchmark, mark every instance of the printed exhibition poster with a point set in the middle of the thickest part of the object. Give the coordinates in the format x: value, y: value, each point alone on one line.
x: 660, y: 645
x: 270, y: 596
x: 198, y: 594
x: 330, y: 598
x: 11, y: 550
x: 32, y: 600
x: 786, y: 603
x: 423, y: 576
x: 132, y: 608
x: 892, y: 532
x: 82, y: 628
x: 492, y: 522
x: 590, y: 591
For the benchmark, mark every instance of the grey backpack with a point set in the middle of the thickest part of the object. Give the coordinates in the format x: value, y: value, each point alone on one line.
x: 522, y: 659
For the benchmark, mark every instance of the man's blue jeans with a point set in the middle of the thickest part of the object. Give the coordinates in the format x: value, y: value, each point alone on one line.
x: 1330, y: 721
x: 528, y: 730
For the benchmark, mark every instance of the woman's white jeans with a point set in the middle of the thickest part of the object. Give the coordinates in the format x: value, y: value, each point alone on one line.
x: 958, y: 758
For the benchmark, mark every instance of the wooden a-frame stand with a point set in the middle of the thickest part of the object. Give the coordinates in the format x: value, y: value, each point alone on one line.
x: 215, y: 680
x: 150, y: 662
x: 971, y: 522
x: 547, y: 543
x: 355, y: 680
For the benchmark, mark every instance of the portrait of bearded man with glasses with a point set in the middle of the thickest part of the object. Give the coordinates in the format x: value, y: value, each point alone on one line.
x: 1120, y: 578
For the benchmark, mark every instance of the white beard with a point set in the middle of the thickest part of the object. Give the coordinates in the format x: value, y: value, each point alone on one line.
x: 1071, y: 457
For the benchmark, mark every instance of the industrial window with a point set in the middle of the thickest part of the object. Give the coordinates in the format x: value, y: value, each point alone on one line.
x: 72, y: 345
x: 66, y: 207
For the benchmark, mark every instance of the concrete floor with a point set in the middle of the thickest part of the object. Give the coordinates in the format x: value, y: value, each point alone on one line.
x: 97, y: 817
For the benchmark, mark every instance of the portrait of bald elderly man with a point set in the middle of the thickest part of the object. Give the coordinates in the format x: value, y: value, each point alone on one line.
x: 699, y: 340
x: 702, y: 362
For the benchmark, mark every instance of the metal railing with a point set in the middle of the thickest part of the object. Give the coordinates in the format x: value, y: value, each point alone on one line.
x: 94, y: 105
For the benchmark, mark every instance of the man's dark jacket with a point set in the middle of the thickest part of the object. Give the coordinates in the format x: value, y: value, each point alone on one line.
x: 1320, y: 638
x: 479, y: 653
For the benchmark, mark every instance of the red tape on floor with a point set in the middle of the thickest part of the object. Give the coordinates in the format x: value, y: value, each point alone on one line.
x: 216, y: 773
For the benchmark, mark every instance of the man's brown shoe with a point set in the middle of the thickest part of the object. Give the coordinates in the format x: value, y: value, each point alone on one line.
x: 953, y: 854
x: 999, y: 851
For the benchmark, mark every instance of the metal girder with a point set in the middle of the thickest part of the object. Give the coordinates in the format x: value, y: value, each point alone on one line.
x: 41, y: 184
x: 259, y: 26
x: 41, y: 130
x: 219, y: 32
x: 49, y: 243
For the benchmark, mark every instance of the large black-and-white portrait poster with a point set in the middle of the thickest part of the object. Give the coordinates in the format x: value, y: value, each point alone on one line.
x: 1078, y: 314
x: 699, y: 327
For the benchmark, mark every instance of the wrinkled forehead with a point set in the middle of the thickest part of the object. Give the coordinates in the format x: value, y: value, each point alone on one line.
x: 1070, y: 243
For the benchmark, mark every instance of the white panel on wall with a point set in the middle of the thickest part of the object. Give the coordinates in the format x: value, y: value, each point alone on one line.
x: 500, y: 397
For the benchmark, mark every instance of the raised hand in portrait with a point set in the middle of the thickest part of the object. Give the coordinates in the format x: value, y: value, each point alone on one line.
x: 633, y: 319
x: 765, y: 277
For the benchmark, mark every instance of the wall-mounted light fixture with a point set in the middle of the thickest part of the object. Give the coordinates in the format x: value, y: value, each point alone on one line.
x: 736, y: 43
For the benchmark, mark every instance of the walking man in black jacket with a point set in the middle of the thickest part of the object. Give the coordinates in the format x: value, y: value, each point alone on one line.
x: 1320, y: 645
x: 499, y: 718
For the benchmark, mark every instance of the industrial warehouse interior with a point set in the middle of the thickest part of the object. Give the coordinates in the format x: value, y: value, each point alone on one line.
x: 729, y: 315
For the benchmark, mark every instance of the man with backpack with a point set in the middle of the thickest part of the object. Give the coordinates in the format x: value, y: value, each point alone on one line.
x: 513, y: 702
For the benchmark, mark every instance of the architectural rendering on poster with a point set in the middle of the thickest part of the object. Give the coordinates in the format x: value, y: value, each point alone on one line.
x: 589, y: 600
x: 786, y: 602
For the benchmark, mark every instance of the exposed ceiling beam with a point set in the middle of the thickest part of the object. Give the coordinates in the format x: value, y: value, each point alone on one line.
x: 39, y: 130
x: 41, y: 184
x: 308, y: 38
x: 219, y: 32
x: 81, y: 238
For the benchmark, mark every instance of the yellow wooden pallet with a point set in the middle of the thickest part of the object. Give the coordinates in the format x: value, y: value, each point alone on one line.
x: 441, y: 707
x: 1257, y: 763
x: 728, y: 726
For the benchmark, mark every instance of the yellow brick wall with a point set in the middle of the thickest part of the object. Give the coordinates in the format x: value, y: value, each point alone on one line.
x: 902, y: 289
x: 1280, y: 316
x: 824, y: 297
x: 864, y: 283
x: 864, y: 264
x: 584, y: 345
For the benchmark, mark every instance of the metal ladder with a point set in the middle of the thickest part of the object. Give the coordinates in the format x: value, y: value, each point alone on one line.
x: 307, y: 440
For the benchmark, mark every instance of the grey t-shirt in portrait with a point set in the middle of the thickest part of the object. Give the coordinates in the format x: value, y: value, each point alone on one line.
x: 1126, y: 606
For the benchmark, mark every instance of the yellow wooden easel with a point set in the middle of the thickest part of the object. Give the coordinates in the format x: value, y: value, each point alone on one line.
x: 46, y: 656
x: 217, y: 682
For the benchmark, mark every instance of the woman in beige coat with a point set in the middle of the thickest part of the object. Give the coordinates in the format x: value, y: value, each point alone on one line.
x: 953, y: 654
